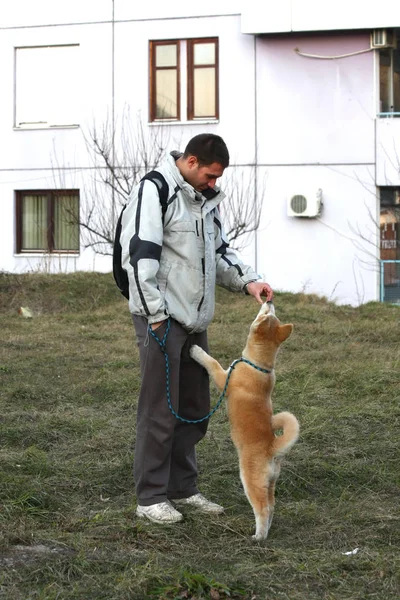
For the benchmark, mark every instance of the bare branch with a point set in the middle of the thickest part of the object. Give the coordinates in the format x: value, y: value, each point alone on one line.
x: 241, y: 209
x: 121, y: 153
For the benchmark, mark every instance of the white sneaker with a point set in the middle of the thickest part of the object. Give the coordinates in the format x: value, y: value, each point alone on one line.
x: 201, y: 503
x: 163, y: 513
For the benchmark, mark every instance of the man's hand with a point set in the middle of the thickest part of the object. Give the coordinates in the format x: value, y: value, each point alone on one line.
x: 258, y: 289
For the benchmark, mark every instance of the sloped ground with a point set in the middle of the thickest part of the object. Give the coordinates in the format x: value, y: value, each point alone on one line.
x: 69, y: 383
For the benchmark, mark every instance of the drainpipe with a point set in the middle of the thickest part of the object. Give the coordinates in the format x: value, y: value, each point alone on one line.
x: 113, y: 209
x: 255, y: 150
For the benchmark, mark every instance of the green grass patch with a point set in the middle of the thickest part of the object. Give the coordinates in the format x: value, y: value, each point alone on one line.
x: 69, y: 381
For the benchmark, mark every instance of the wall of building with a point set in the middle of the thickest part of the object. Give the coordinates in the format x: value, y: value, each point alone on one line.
x: 112, y: 79
x: 334, y: 255
x: 314, y: 15
x: 388, y: 152
x: 315, y: 110
x: 55, y: 157
x: 308, y: 123
x: 315, y: 130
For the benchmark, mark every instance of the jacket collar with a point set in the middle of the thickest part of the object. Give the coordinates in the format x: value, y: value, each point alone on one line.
x: 212, y: 197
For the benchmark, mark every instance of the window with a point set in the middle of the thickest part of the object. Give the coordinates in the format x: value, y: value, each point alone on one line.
x: 184, y: 75
x: 390, y: 243
x: 46, y: 86
x: 165, y: 81
x: 389, y: 79
x: 48, y: 221
x: 390, y: 223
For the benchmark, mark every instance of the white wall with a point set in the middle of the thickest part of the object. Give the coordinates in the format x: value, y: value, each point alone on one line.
x: 50, y: 157
x: 159, y: 9
x: 313, y: 15
x: 236, y: 83
x: 388, y: 151
x: 334, y: 255
x: 45, y: 157
x: 309, y: 122
x: 25, y: 13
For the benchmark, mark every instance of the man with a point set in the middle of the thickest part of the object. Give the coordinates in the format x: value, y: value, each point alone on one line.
x: 173, y: 262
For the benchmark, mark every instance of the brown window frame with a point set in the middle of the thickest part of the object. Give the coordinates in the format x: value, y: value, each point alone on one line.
x: 154, y: 69
x: 190, y: 77
x: 51, y: 194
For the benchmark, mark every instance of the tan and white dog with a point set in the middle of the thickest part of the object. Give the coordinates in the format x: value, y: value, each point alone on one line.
x: 252, y: 423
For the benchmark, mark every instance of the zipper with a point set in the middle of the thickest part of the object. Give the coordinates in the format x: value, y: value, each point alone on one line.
x: 199, y: 306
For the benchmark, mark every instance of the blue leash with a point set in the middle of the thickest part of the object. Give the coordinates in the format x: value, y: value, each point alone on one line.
x: 162, y: 344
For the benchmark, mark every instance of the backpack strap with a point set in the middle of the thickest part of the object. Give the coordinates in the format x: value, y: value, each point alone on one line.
x: 162, y: 186
x: 120, y: 275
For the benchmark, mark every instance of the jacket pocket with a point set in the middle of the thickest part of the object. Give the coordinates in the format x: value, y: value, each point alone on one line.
x: 162, y: 276
x: 181, y: 226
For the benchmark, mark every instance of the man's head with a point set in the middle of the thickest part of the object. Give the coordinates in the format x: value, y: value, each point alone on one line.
x: 204, y: 160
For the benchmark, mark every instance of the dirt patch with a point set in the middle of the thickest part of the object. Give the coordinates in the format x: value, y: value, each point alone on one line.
x: 25, y: 555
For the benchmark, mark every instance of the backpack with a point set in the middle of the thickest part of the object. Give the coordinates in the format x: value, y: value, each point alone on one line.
x: 120, y: 275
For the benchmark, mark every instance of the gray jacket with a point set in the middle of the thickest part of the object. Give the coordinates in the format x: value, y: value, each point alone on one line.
x: 173, y: 266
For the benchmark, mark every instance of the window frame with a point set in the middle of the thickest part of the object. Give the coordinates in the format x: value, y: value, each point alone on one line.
x: 153, y: 72
x: 24, y: 125
x: 391, y: 90
x: 389, y: 240
x: 51, y: 194
x: 190, y: 76
x: 185, y: 97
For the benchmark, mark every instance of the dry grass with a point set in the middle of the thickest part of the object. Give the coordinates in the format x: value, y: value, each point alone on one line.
x: 69, y: 382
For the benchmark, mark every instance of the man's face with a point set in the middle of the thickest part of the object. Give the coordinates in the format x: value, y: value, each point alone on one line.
x: 202, y: 177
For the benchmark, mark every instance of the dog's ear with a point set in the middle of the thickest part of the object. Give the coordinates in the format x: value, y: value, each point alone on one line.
x: 284, y: 331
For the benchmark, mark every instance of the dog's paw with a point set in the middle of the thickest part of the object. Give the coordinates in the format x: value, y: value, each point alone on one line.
x: 259, y: 537
x: 197, y: 354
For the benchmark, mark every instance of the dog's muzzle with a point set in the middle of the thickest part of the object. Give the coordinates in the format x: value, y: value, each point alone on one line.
x: 271, y: 307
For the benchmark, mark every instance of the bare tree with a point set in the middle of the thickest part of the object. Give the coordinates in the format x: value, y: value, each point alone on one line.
x: 380, y: 243
x: 375, y: 239
x: 241, y: 209
x: 120, y: 155
x: 368, y: 238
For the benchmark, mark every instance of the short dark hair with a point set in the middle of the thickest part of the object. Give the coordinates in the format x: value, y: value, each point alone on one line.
x: 208, y: 148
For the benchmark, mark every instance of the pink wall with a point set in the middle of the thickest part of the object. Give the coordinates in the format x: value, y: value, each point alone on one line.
x: 314, y: 110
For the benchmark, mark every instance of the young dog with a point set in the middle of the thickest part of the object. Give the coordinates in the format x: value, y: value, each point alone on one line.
x: 253, y: 425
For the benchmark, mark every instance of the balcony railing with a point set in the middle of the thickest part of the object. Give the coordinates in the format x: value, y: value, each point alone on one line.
x: 389, y: 115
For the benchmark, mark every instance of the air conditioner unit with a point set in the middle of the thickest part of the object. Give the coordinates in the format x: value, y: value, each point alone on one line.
x: 383, y: 38
x: 305, y: 205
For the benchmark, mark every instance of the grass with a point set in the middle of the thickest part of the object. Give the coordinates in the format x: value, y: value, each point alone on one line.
x: 69, y: 383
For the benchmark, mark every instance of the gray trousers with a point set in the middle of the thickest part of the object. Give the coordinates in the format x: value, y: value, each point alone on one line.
x: 165, y: 459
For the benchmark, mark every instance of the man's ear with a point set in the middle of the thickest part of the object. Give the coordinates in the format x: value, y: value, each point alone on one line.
x: 192, y: 161
x: 284, y: 331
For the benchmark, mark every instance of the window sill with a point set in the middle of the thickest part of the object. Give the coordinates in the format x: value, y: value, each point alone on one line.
x: 46, y: 254
x: 194, y: 122
x: 35, y: 127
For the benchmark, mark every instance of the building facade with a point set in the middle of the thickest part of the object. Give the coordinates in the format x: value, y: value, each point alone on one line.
x: 306, y: 95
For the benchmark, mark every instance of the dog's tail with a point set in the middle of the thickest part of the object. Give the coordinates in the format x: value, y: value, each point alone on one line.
x: 291, y: 429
